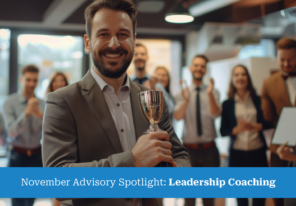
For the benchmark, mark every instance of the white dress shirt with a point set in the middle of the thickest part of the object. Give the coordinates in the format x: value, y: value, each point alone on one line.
x: 245, y: 109
x: 121, y: 110
x: 291, y: 86
x: 190, y: 135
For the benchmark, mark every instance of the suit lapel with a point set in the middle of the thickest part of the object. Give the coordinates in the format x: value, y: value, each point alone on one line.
x: 232, y: 112
x: 282, y: 88
x: 96, y: 100
x: 140, y: 123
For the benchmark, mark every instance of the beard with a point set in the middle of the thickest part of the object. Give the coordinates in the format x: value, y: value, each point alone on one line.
x: 140, y: 68
x: 101, y: 67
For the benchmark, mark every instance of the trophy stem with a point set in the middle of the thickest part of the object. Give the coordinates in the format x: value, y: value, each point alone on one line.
x: 154, y: 128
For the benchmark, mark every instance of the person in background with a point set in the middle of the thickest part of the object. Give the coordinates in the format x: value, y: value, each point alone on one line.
x: 140, y: 61
x: 278, y: 91
x: 161, y: 81
x: 23, y: 114
x: 58, y: 81
x: 242, y: 120
x: 199, y: 106
x: 2, y: 131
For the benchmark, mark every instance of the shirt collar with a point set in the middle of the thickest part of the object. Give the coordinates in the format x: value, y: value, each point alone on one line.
x: 133, y: 76
x: 102, y: 84
x: 21, y: 97
x: 193, y: 87
x: 237, y: 98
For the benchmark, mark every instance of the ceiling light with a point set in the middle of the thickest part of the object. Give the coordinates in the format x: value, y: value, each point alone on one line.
x: 201, y: 8
x: 179, y: 15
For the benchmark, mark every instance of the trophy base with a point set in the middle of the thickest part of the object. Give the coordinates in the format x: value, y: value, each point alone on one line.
x: 164, y: 164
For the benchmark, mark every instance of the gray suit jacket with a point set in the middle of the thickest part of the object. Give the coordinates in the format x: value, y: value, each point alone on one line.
x: 79, y: 131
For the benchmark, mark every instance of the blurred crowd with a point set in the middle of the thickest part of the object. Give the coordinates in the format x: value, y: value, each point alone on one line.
x: 244, y: 115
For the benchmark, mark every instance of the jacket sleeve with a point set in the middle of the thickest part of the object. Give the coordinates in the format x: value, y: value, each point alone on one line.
x: 226, y: 128
x: 59, y: 148
x: 268, y: 108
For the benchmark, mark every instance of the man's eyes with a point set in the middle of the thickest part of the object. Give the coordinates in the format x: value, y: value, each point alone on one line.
x: 103, y: 34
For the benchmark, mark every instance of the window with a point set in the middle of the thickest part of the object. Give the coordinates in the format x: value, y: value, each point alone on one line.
x: 4, y: 64
x: 51, y: 54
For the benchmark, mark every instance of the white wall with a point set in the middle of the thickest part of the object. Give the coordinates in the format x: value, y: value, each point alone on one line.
x: 260, y: 70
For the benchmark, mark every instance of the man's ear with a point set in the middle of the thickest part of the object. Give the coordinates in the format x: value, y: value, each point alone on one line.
x: 87, y: 43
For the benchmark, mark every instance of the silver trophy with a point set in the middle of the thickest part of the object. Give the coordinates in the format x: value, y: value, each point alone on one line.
x: 151, y: 104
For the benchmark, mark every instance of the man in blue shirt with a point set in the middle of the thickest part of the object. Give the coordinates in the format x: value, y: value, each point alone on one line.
x: 23, y: 114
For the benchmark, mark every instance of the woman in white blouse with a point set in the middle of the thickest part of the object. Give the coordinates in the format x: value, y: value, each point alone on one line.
x: 242, y: 120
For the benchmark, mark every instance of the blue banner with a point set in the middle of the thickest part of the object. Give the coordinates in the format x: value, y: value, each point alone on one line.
x: 147, y: 182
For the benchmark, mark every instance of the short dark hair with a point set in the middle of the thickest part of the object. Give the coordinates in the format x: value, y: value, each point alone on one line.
x: 30, y: 68
x: 142, y: 45
x: 201, y: 56
x: 286, y: 43
x: 121, y: 5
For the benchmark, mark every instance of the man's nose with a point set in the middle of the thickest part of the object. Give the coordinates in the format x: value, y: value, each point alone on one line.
x: 114, y: 43
x: 286, y: 63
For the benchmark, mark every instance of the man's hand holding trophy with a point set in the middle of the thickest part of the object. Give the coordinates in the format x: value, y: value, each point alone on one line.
x: 153, y: 148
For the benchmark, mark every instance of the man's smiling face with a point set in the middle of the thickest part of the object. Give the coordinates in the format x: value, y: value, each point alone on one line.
x: 112, y: 42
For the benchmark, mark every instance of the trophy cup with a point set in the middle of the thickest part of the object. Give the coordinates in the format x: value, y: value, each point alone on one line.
x: 151, y: 104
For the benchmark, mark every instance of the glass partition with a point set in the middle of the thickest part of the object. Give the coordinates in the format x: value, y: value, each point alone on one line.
x: 4, y: 64
x: 51, y: 54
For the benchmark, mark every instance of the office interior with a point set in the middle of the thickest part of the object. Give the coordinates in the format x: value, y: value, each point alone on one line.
x: 49, y: 34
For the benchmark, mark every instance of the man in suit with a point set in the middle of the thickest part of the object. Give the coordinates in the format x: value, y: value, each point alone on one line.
x: 279, y: 91
x: 97, y: 121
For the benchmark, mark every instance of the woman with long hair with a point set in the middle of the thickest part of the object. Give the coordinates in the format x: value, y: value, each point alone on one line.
x: 58, y: 81
x: 242, y: 120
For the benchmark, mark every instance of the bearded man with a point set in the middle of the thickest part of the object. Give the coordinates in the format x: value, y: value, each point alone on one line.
x: 97, y: 121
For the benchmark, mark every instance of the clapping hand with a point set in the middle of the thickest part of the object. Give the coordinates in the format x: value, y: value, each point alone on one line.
x: 185, y: 90
x: 211, y: 86
x: 33, y: 108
